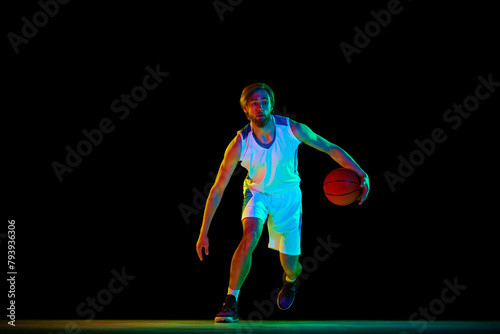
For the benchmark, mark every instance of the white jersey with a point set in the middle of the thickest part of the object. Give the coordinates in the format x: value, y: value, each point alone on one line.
x: 272, y: 168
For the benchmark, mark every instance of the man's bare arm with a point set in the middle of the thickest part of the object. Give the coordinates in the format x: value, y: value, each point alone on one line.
x: 307, y: 136
x: 226, y: 169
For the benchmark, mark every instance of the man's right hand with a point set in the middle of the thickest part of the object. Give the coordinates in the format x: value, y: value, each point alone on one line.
x: 202, y: 243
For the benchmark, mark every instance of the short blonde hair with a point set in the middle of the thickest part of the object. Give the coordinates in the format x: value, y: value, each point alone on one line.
x: 250, y: 89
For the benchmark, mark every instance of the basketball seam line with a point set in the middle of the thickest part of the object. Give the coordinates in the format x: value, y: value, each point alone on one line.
x: 343, y: 194
x: 341, y: 181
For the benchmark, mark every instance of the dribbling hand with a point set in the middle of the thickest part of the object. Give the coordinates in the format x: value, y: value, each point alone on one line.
x: 365, y: 186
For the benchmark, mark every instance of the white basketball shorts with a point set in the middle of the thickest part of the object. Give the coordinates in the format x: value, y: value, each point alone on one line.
x: 283, y: 212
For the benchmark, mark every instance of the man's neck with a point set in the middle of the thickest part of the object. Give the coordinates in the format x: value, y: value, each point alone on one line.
x: 266, y: 133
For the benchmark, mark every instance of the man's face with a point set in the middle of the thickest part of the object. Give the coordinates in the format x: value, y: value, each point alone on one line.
x: 258, y: 109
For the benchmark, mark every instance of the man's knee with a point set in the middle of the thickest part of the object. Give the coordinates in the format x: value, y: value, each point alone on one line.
x: 252, y: 230
x: 250, y: 239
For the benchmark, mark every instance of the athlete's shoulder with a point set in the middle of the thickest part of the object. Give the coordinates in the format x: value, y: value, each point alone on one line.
x: 280, y: 120
x: 245, y: 131
x: 233, y: 150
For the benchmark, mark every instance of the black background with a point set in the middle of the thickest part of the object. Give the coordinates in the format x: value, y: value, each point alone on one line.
x: 120, y: 207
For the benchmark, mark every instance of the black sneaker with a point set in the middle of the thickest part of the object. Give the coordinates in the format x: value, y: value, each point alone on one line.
x: 287, y: 294
x: 228, y: 311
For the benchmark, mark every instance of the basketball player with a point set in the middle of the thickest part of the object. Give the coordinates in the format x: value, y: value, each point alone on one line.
x: 267, y: 148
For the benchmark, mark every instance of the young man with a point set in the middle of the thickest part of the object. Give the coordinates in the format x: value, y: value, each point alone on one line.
x: 267, y: 148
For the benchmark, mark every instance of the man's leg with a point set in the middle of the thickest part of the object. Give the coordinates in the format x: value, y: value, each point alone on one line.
x: 293, y: 268
x: 242, y: 258
x: 240, y: 267
x: 291, y: 265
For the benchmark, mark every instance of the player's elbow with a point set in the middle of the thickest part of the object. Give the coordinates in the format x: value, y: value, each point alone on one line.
x: 217, y: 191
x: 335, y: 152
x: 328, y: 147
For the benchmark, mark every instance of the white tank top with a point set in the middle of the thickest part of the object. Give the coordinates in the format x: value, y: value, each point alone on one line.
x: 272, y: 168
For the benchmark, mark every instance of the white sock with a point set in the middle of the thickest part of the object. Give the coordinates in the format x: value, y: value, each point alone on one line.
x: 289, y: 280
x: 235, y: 293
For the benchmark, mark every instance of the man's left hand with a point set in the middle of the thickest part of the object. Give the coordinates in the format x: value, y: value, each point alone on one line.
x: 365, y: 188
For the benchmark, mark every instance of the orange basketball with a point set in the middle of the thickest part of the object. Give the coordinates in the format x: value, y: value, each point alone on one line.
x: 342, y: 186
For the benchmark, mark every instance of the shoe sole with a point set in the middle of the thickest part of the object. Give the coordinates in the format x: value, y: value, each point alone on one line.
x: 225, y: 320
